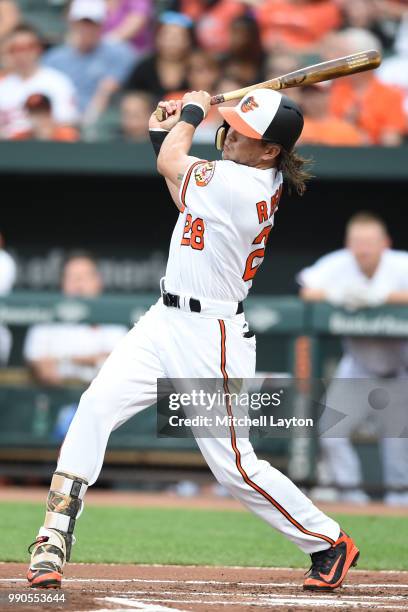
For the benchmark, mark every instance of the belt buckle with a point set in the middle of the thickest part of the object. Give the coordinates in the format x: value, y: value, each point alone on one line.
x: 174, y: 300
x: 170, y: 300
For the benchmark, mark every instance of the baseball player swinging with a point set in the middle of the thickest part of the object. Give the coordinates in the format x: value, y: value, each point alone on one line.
x: 198, y: 330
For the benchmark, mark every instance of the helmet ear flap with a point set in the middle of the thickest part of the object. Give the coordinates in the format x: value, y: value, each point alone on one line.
x: 220, y: 136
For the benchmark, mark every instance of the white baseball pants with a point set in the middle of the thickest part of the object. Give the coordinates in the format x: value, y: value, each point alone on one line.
x: 170, y: 343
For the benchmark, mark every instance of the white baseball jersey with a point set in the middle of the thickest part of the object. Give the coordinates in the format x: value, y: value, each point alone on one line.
x: 14, y: 92
x: 219, y: 240
x: 380, y: 356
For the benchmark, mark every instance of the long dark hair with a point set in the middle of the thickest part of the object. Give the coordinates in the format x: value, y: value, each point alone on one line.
x: 295, y: 170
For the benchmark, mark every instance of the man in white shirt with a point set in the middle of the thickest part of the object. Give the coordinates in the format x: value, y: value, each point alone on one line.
x: 57, y: 352
x: 367, y: 273
x: 22, y: 51
x: 8, y: 273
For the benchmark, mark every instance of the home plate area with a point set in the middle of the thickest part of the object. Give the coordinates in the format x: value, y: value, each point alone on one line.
x: 160, y: 588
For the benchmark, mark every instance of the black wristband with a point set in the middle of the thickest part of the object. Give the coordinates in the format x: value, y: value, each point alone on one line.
x: 192, y: 113
x: 157, y: 138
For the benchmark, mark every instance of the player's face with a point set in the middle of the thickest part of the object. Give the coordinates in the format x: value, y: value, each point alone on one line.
x: 367, y: 242
x: 81, y: 279
x: 244, y: 150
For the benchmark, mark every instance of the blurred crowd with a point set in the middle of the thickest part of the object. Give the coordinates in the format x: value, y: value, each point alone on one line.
x: 115, y: 59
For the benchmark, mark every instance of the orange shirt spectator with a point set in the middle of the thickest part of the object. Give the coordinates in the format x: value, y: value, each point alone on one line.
x: 193, y: 8
x: 213, y: 24
x: 61, y: 133
x: 373, y: 106
x: 332, y: 132
x: 321, y: 126
x: 203, y: 72
x: 65, y: 133
x: 297, y: 24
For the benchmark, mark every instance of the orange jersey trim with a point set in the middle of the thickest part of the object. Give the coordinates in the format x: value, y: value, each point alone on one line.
x: 187, y: 180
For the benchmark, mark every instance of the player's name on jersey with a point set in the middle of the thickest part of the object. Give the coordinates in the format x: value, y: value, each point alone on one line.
x: 234, y: 421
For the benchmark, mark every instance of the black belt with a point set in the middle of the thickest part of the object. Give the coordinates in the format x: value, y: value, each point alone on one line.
x: 173, y: 301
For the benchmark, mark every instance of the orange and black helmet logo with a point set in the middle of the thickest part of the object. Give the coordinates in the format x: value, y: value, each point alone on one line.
x: 249, y: 104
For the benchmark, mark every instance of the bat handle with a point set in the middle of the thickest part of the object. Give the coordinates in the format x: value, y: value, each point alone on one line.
x: 218, y: 99
x: 161, y: 114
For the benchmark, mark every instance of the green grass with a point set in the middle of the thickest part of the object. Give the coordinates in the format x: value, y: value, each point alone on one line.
x: 198, y: 537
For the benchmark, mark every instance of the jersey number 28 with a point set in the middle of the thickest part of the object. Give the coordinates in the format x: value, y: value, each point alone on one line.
x: 193, y: 234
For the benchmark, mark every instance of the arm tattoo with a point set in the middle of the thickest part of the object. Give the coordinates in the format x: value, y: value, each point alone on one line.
x: 180, y: 178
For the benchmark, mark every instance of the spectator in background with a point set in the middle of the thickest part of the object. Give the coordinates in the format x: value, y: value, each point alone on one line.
x: 203, y: 73
x: 245, y: 46
x: 42, y: 124
x: 370, y: 15
x: 375, y: 108
x: 321, y: 127
x: 296, y: 24
x: 366, y: 273
x: 130, y: 21
x: 241, y: 70
x: 97, y: 67
x: 165, y: 70
x: 282, y: 62
x: 245, y: 57
x: 227, y: 84
x: 381, y: 17
x: 22, y: 50
x: 135, y: 111
x: 279, y: 63
x: 245, y: 40
x: 58, y: 352
x: 8, y: 273
x: 394, y: 70
x: 212, y: 19
x: 9, y: 17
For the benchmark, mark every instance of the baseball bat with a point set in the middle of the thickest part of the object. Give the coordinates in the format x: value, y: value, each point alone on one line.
x: 325, y: 71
